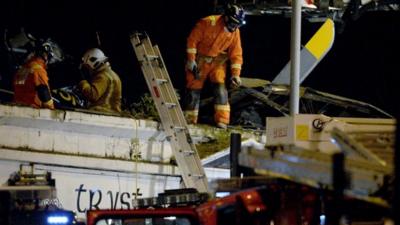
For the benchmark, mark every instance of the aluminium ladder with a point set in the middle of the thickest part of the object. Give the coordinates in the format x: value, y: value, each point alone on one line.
x: 170, y: 112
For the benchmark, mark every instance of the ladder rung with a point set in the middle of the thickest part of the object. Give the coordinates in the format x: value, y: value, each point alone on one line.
x: 151, y: 57
x: 178, y: 128
x: 168, y: 138
x: 162, y: 81
x: 189, y: 152
x: 170, y: 105
x: 200, y: 176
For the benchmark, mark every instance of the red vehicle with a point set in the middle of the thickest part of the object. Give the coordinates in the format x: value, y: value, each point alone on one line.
x: 279, y: 202
x: 192, y: 212
x: 181, y: 215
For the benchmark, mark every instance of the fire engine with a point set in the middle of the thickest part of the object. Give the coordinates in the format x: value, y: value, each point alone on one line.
x: 271, y: 201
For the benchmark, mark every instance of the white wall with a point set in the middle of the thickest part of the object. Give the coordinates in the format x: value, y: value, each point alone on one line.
x: 82, y: 189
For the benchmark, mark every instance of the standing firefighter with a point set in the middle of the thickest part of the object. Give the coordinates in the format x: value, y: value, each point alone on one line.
x: 31, y: 82
x: 212, y: 42
x: 104, y: 89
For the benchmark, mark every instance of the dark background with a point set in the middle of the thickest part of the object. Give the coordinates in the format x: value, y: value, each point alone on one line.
x: 363, y: 63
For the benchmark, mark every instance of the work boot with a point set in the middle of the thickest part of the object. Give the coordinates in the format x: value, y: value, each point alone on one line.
x: 222, y: 125
x: 190, y: 118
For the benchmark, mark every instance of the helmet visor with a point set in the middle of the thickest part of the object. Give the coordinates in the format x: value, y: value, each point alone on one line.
x: 232, y: 24
x: 54, y: 52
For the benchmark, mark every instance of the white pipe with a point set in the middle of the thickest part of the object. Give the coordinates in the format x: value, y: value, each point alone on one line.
x: 295, y: 57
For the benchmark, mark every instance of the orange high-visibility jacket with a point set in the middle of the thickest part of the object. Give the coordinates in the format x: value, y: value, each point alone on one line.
x: 32, y: 74
x: 210, y: 38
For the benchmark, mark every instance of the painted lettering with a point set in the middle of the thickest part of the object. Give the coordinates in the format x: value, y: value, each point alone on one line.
x: 115, y: 200
x: 280, y: 132
x: 78, y: 206
x: 125, y: 202
x: 137, y: 193
x: 92, y: 193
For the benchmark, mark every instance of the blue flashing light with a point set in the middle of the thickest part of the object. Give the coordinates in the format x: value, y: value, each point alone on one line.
x: 222, y: 194
x: 322, y: 219
x: 57, y: 219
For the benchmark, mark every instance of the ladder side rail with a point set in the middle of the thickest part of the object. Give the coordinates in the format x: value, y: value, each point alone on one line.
x: 164, y: 89
x: 179, y: 114
x: 187, y: 151
x: 139, y: 47
x: 154, y: 70
x: 145, y: 48
x: 169, y: 95
x: 190, y: 152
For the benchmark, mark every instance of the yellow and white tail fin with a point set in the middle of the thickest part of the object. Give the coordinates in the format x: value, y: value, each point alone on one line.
x: 312, y: 53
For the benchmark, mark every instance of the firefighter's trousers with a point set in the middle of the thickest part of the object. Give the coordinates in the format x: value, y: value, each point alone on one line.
x: 213, y: 68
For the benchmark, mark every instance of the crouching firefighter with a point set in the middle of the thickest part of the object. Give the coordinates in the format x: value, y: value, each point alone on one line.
x: 103, y: 90
x: 212, y: 42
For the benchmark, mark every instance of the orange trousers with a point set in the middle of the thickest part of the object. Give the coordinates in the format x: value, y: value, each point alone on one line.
x: 213, y: 68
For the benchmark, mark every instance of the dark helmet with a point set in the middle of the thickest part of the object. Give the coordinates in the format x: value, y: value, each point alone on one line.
x: 53, y: 51
x: 234, y: 16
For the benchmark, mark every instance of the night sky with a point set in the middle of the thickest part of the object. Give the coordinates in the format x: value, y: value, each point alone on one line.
x: 363, y: 63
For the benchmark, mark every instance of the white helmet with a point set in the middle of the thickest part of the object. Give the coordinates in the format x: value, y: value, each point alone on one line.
x: 94, y: 58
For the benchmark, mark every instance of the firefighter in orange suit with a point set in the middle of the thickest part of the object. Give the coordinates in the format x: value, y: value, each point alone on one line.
x: 103, y: 91
x: 212, y: 42
x: 31, y: 82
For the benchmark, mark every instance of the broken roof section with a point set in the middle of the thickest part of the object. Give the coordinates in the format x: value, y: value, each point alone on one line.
x: 258, y: 99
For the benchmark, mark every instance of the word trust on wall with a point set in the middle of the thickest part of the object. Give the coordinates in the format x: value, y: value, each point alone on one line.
x: 116, y: 200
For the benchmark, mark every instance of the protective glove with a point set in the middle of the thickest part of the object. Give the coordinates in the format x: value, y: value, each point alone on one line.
x: 191, y: 65
x: 84, y: 84
x: 235, y: 82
